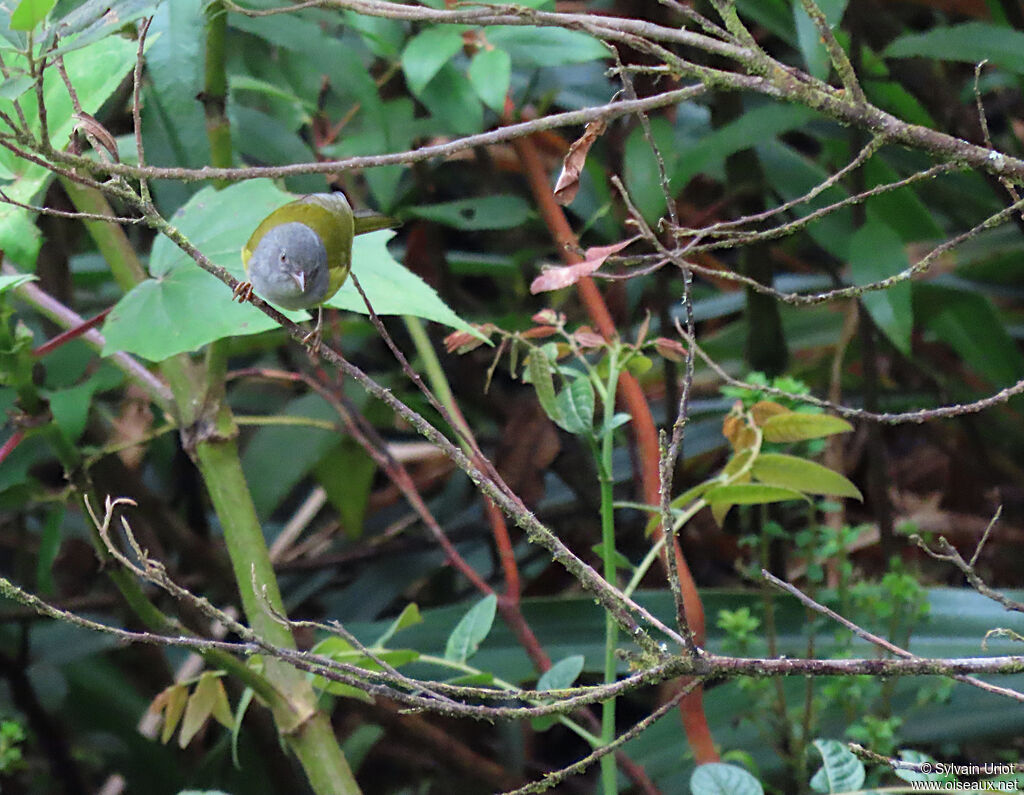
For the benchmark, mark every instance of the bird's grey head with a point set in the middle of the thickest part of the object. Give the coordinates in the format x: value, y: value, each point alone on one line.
x: 289, y: 267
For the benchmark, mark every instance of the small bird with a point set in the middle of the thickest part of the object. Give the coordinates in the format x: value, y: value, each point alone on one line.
x: 301, y: 254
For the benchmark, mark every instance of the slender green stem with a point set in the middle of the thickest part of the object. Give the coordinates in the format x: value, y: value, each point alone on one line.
x: 609, y: 771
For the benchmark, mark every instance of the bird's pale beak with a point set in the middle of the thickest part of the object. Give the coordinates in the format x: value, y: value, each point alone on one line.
x: 300, y: 279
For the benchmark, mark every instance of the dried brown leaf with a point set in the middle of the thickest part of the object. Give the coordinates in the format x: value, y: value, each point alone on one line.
x: 568, y: 183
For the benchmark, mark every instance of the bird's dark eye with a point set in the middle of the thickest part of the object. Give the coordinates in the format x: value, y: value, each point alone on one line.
x: 284, y: 257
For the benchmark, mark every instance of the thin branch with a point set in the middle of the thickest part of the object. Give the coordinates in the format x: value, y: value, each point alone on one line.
x: 880, y: 641
x: 889, y: 418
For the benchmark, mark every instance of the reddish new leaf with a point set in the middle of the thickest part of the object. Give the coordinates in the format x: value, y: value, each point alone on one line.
x: 555, y: 278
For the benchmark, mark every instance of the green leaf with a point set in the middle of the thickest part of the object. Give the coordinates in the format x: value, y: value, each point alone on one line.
x: 14, y: 87
x: 643, y: 178
x: 620, y: 560
x: 176, y: 699
x: 346, y: 473
x: 750, y: 494
x: 968, y: 323
x: 49, y: 548
x: 427, y: 52
x: 410, y: 616
x: 451, y: 100
x: 9, y: 282
x: 302, y: 446
x: 470, y: 632
x: 562, y: 674
x: 96, y: 72
x: 842, y: 771
x: 532, y: 47
x: 70, y: 407
x: 30, y: 13
x: 815, y: 55
x: 717, y: 778
x: 204, y: 702
x: 484, y: 212
x: 183, y: 308
x: 913, y: 775
x: 576, y: 406
x: 95, y: 20
x: 490, y: 73
x: 538, y: 367
x: 617, y: 420
x: 710, y: 152
x: 788, y: 471
x: 971, y: 42
x: 798, y: 427
x: 877, y: 252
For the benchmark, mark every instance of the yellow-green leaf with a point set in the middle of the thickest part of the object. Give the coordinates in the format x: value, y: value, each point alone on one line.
x: 30, y: 13
x: 199, y: 708
x: 809, y: 477
x: 172, y: 702
x: 797, y: 427
x: 751, y: 494
x: 221, y: 708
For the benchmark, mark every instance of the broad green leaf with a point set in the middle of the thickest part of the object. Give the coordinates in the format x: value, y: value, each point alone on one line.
x: 532, y: 46
x: 642, y: 176
x: 842, y: 771
x: 410, y: 616
x: 750, y: 494
x: 346, y: 473
x: 30, y: 13
x: 383, y: 37
x: 303, y: 446
x: 877, y: 252
x: 562, y: 674
x: 789, y: 471
x: 968, y: 323
x: 970, y: 42
x: 96, y: 72
x: 798, y: 427
x: 95, y: 20
x: 710, y: 152
x: 576, y: 406
x: 792, y: 174
x: 485, y: 212
x: 451, y: 100
x: 538, y: 367
x: 717, y: 778
x: 470, y: 632
x: 815, y: 55
x: 427, y: 52
x: 914, y: 775
x: 10, y: 282
x: 902, y: 210
x: 14, y: 87
x: 70, y: 407
x: 274, y: 140
x: 173, y: 121
x: 183, y: 308
x: 490, y: 72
